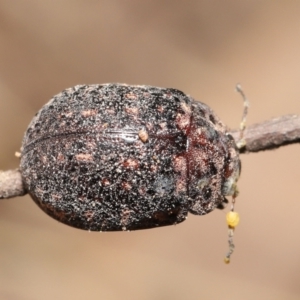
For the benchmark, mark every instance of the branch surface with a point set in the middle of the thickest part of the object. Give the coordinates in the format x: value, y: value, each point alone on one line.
x: 11, y: 184
x: 268, y: 135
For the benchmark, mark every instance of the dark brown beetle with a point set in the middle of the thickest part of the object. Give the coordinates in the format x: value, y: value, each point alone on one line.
x: 118, y: 157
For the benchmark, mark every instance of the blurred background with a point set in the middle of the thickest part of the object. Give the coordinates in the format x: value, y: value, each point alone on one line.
x: 202, y: 48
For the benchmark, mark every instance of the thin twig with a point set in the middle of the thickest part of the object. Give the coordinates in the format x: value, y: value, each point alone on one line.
x: 268, y: 135
x: 11, y: 184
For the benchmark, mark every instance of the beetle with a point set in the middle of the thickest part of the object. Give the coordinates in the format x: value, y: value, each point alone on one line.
x: 117, y: 157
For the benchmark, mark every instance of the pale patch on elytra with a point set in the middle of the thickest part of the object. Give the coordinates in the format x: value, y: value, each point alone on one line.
x: 44, y: 159
x: 131, y: 96
x: 149, y: 126
x: 125, y: 218
x: 160, y: 108
x: 179, y: 163
x: 82, y: 198
x: 198, y: 131
x: 183, y: 121
x: 110, y: 111
x: 131, y: 163
x: 56, y: 197
x: 62, y: 124
x: 133, y: 111
x: 91, y: 145
x: 153, y: 168
x: 201, y: 160
x: 105, y: 182
x: 126, y: 186
x: 163, y: 125
x: 39, y: 191
x: 186, y: 108
x: 89, y: 215
x: 143, y: 135
x: 180, y: 186
x: 168, y: 95
x: 84, y: 157
x: 68, y: 114
x: 60, y: 157
x: 68, y: 145
x: 146, y: 95
x: 142, y: 190
x: 88, y: 113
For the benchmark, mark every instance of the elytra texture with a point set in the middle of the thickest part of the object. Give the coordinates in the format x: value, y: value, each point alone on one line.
x: 117, y: 157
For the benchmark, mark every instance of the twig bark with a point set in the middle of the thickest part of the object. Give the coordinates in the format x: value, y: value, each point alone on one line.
x: 11, y: 184
x: 268, y: 135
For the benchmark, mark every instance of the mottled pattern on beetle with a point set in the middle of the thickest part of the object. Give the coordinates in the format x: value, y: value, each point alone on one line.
x: 96, y: 109
x: 208, y: 151
x: 117, y: 157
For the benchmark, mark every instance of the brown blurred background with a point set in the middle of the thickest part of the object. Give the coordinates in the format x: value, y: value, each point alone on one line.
x: 203, y: 48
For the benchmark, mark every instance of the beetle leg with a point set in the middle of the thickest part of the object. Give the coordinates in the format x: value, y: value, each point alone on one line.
x: 223, y: 204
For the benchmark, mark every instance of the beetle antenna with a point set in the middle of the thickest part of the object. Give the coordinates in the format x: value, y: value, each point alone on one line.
x: 241, y: 143
x: 231, y: 245
x: 233, y: 220
x: 232, y: 217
